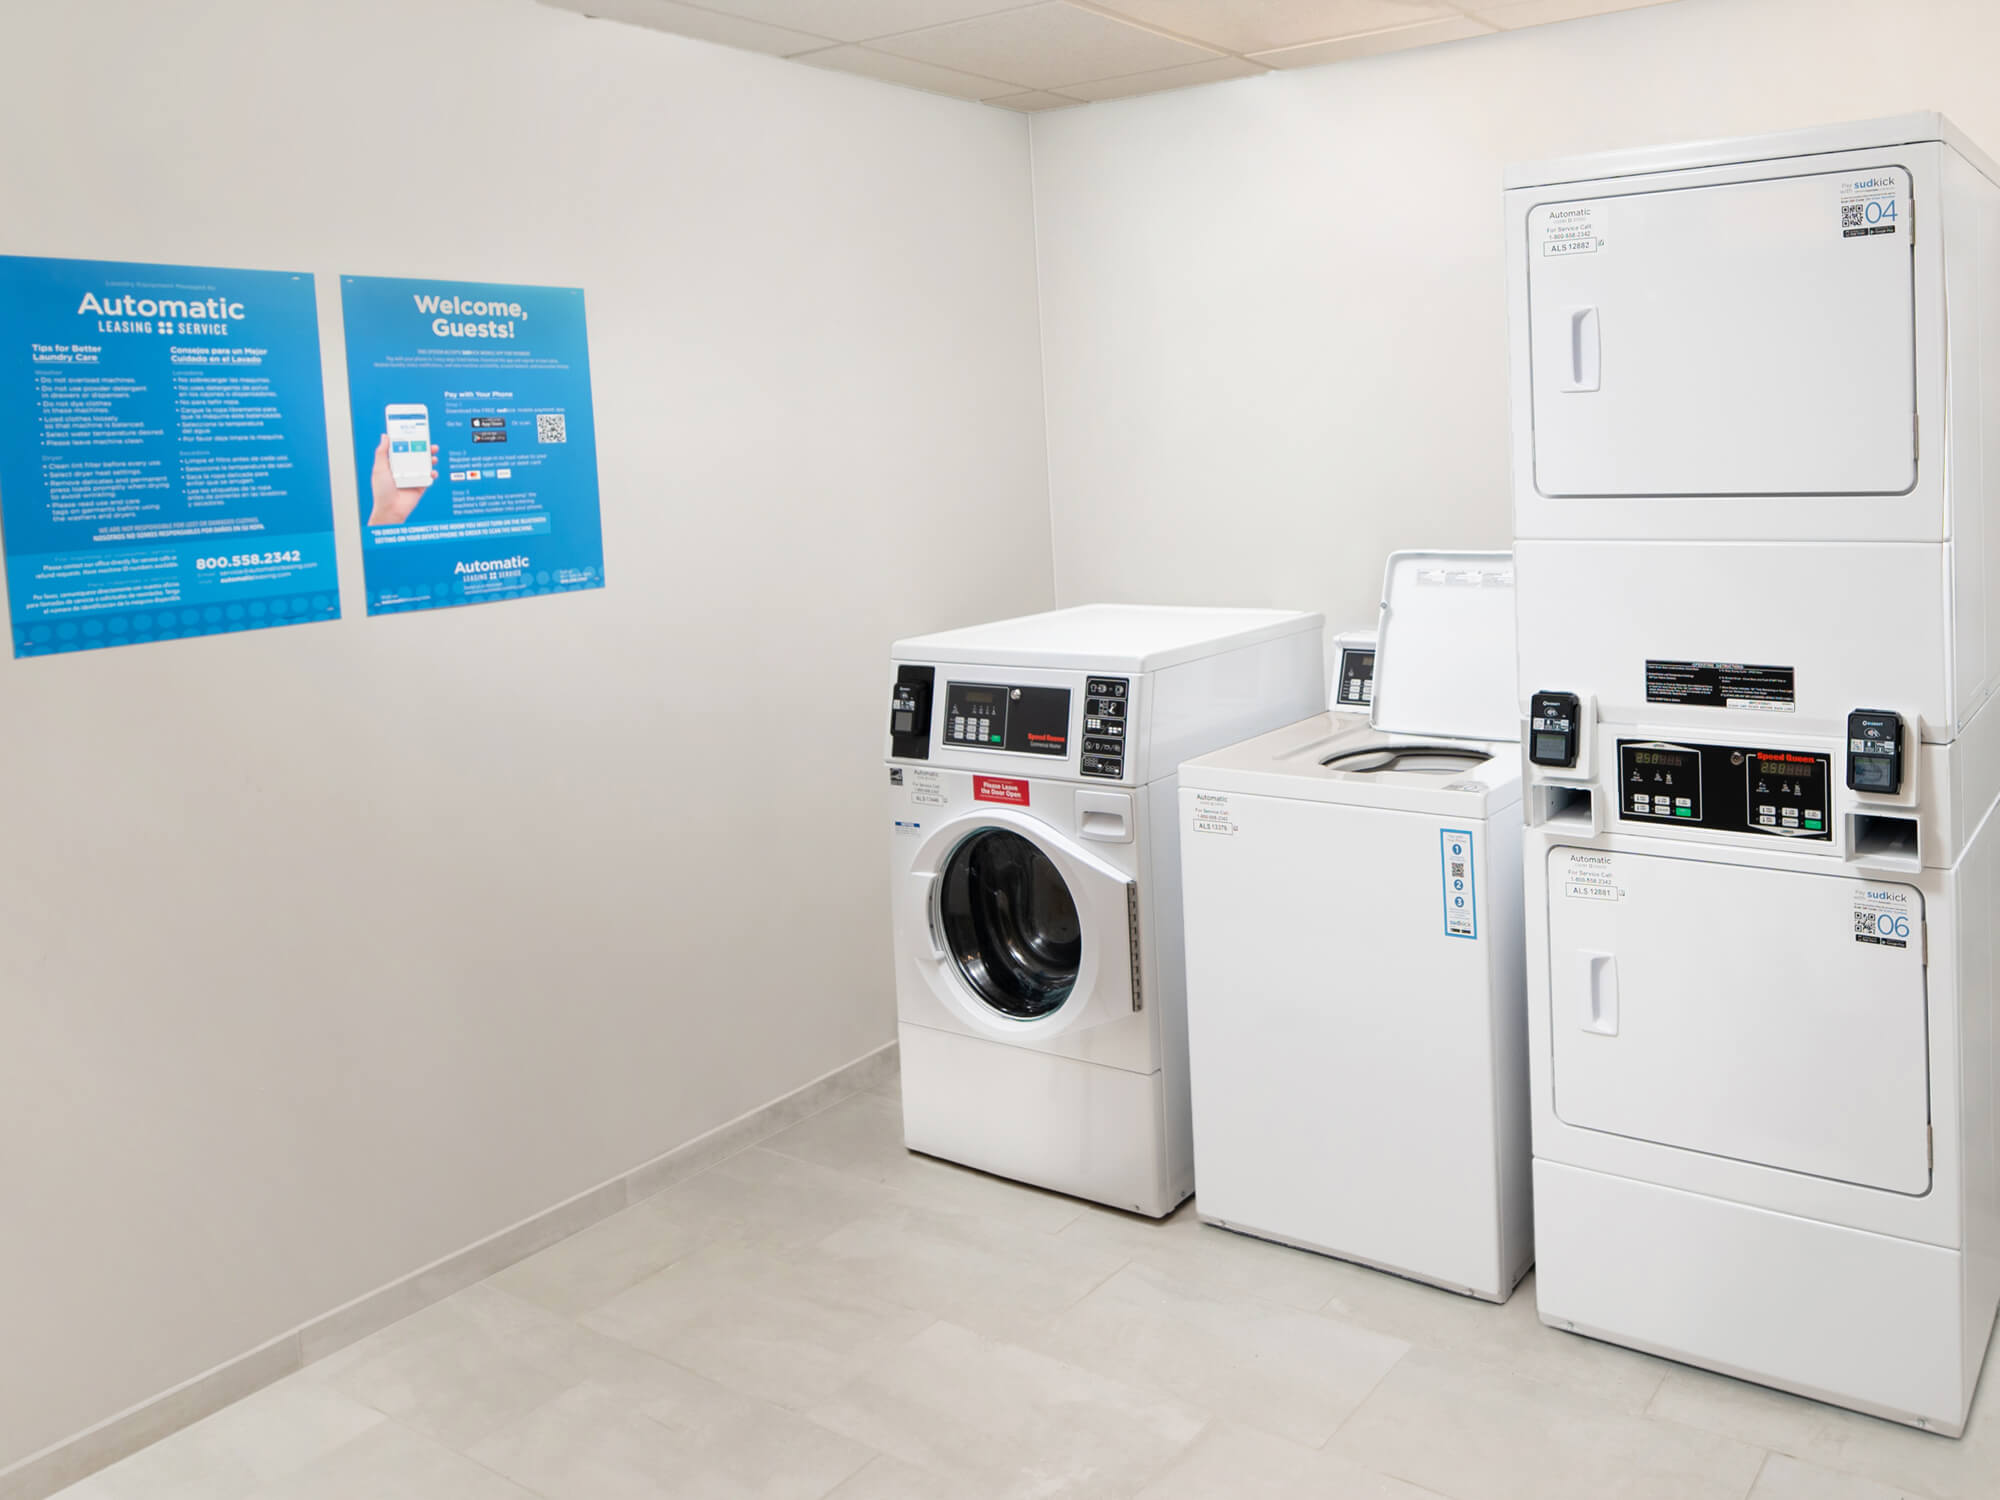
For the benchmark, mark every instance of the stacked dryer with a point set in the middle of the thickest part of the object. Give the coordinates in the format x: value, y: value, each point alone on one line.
x: 1756, y: 447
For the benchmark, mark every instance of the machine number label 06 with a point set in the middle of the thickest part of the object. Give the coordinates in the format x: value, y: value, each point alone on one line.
x: 1883, y: 917
x: 1461, y: 902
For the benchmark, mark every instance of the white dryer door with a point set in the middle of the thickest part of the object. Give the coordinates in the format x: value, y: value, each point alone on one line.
x: 1749, y: 338
x: 1023, y: 932
x: 1770, y: 1016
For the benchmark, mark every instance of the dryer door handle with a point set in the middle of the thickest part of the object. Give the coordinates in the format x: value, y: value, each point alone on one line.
x: 1600, y: 993
x: 922, y: 886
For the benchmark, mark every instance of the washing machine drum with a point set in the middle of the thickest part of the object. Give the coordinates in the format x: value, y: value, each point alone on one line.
x: 1010, y: 924
x: 1424, y: 760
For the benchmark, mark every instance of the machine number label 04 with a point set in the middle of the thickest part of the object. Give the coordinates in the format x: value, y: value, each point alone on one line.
x: 1461, y: 903
x: 1882, y: 917
x: 1871, y: 204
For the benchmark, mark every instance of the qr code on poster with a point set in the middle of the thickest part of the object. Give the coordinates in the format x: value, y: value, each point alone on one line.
x: 1852, y: 215
x: 1864, y: 921
x: 551, y: 428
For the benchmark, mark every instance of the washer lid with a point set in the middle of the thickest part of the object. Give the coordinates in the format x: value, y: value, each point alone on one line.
x: 1445, y: 663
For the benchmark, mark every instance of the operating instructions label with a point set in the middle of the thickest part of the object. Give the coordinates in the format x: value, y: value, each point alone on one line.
x: 1461, y: 900
x: 1722, y: 684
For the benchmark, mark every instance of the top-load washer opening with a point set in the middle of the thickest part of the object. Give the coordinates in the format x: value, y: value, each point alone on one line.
x: 1010, y: 924
x: 1423, y: 760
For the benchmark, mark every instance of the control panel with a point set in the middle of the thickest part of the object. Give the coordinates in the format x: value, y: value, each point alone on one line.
x: 910, y: 713
x: 1016, y: 720
x: 1875, y: 751
x: 1725, y: 788
x: 1786, y: 793
x: 1553, y: 723
x: 1660, y: 782
x: 1105, y: 726
x: 1354, y: 687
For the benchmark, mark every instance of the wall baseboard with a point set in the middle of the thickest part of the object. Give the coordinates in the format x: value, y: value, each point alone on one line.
x: 42, y: 1474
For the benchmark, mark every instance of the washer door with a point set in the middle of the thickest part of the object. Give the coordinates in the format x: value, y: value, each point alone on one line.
x: 1020, y: 931
x: 1010, y: 924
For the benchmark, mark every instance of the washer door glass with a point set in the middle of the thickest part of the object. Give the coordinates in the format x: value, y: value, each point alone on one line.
x: 1010, y: 924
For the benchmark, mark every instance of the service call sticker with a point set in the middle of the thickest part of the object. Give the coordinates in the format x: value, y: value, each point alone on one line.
x: 927, y: 788
x: 1574, y: 229
x: 1883, y: 917
x: 1213, y: 813
x: 1588, y: 877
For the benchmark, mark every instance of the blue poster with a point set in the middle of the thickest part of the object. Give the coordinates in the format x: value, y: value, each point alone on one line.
x: 474, y: 443
x: 163, y: 454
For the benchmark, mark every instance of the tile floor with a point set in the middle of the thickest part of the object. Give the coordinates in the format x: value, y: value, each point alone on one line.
x: 825, y: 1315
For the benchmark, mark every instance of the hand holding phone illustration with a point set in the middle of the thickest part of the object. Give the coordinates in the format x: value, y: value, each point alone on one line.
x: 405, y: 465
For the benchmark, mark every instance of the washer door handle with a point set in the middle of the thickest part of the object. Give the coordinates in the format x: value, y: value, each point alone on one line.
x: 922, y: 884
x: 1600, y: 993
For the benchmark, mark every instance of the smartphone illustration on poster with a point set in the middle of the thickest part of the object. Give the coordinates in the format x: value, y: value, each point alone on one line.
x: 409, y: 429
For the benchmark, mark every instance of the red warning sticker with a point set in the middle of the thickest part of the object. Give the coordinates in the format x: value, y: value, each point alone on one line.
x: 1000, y: 789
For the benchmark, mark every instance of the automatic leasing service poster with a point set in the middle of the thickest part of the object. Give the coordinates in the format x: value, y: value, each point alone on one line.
x: 163, y: 453
x: 474, y: 444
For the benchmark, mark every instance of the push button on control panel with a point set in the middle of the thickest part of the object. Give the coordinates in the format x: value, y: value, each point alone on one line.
x: 1104, y: 727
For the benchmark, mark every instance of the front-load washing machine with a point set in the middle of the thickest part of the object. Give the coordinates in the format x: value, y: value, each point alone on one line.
x: 1035, y: 879
x: 1357, y: 1033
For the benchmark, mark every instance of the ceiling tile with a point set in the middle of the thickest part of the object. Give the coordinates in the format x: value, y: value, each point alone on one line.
x: 908, y: 72
x: 1033, y: 102
x: 1511, y: 15
x: 1044, y: 46
x: 703, y: 25
x: 1215, y: 70
x: 1260, y: 25
x: 1374, y: 43
x: 861, y: 20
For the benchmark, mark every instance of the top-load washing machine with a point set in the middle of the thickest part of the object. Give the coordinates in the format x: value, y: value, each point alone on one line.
x: 1357, y: 1034
x: 1035, y: 879
x: 1756, y: 453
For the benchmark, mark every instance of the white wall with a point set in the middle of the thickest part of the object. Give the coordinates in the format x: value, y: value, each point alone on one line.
x: 327, y: 951
x: 1273, y: 310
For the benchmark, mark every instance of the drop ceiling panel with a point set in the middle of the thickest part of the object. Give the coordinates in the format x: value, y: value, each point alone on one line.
x: 695, y: 21
x: 908, y: 72
x: 1374, y: 43
x: 861, y: 20
x: 1261, y: 25
x: 1048, y: 54
x: 1215, y: 70
x: 1045, y: 46
x: 1513, y: 14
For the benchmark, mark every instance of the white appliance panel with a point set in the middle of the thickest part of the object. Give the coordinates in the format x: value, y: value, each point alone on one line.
x: 1743, y: 339
x: 1346, y: 1046
x: 1737, y: 1011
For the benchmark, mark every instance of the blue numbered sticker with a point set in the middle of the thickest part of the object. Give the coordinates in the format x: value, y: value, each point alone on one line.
x: 1461, y: 902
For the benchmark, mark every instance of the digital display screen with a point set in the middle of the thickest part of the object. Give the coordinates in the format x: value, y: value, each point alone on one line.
x: 1550, y: 746
x: 1672, y: 760
x: 977, y: 695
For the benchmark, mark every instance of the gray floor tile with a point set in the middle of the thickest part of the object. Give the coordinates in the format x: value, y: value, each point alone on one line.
x: 1008, y: 1421
x: 390, y: 1462
x: 1231, y: 1460
x: 1484, y: 1434
x: 703, y: 1442
x: 788, y: 1328
x: 1789, y: 1479
x: 1843, y: 1441
x: 1510, y: 1336
x: 1220, y: 1262
x: 1296, y: 1374
x: 863, y: 1135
